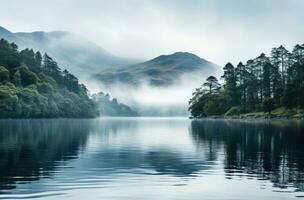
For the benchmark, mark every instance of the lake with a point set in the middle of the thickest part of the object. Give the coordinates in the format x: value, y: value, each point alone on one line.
x: 151, y: 158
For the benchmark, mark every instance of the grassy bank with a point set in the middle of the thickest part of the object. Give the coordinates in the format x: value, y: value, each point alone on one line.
x: 282, y: 112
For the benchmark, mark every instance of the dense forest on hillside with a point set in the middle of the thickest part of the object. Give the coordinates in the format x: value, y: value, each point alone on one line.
x: 33, y: 86
x: 108, y: 106
x: 261, y: 85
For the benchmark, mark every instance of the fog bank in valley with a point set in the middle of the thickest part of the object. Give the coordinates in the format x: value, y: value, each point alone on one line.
x: 150, y: 100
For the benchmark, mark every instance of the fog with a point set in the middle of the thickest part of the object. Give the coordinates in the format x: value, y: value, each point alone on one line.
x: 219, y: 31
x: 155, y: 100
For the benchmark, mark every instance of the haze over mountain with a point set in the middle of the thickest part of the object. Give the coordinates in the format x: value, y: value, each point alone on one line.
x: 163, y: 70
x: 160, y: 86
x: 71, y: 51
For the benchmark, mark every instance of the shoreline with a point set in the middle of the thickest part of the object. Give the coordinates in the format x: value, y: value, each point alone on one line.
x: 278, y: 113
x: 251, y: 117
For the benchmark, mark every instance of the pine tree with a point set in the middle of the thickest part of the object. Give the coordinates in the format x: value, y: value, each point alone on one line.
x: 212, y: 84
x: 230, y: 83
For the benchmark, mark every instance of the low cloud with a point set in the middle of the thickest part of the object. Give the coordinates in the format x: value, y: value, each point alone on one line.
x: 152, y: 100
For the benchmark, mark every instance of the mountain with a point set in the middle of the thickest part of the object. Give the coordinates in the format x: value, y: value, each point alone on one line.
x: 71, y: 51
x: 160, y: 71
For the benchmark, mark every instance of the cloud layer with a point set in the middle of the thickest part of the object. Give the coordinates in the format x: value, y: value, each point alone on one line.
x: 217, y: 30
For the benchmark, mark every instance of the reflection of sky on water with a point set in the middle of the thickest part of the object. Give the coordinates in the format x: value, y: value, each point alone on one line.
x: 151, y: 159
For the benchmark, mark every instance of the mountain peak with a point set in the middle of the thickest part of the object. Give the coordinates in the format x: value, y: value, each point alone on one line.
x: 160, y: 71
x: 181, y: 53
x: 177, y: 56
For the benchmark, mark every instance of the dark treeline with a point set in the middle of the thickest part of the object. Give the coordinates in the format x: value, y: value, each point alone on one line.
x: 32, y: 85
x: 262, y: 84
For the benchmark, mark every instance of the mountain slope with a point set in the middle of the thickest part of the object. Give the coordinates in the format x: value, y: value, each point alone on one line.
x: 76, y: 54
x: 160, y: 71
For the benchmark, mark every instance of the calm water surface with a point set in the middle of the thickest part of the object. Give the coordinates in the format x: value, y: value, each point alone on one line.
x: 151, y: 159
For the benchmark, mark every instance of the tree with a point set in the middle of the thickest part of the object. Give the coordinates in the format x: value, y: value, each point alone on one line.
x: 230, y: 78
x: 27, y: 76
x: 258, y: 72
x: 17, y: 78
x: 212, y: 84
x: 280, y: 59
x: 4, y: 74
x: 38, y: 58
x: 266, y: 80
x: 9, y: 56
x: 268, y: 105
x: 70, y: 81
x: 51, y: 68
x: 242, y: 76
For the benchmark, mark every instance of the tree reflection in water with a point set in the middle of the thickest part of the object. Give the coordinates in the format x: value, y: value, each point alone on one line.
x: 31, y: 149
x: 269, y: 150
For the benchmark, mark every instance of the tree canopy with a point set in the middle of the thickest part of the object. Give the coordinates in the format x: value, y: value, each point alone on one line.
x: 262, y: 84
x: 34, y: 86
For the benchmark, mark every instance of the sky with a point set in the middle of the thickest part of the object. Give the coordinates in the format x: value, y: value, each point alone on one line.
x: 217, y: 30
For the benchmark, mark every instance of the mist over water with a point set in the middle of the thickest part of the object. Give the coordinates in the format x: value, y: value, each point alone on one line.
x: 171, y: 100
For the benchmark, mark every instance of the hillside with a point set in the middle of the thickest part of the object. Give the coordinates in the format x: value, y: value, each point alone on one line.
x: 33, y: 86
x: 72, y: 51
x: 160, y: 71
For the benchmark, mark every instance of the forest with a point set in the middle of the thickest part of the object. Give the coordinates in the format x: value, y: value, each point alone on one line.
x: 32, y: 85
x: 265, y: 84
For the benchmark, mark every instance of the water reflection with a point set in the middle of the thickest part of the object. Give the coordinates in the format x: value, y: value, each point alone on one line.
x: 130, y: 158
x: 31, y: 149
x: 264, y: 150
x: 103, y: 150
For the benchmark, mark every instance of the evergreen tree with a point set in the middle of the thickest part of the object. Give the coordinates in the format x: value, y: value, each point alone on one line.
x: 212, y: 84
x: 230, y: 78
x: 266, y: 80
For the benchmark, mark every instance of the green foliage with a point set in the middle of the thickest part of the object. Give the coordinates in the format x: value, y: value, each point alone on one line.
x: 4, y: 74
x: 17, y: 78
x: 212, y: 84
x: 233, y: 111
x: 9, y: 55
x: 27, y: 77
x: 9, y: 101
x: 262, y: 84
x: 216, y: 105
x: 268, y: 104
x: 45, y: 88
x: 282, y: 111
x: 37, y: 87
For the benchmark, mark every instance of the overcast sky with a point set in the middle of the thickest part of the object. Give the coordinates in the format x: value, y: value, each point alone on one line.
x: 218, y: 30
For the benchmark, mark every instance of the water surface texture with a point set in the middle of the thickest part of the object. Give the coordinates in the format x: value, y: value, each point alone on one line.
x: 151, y: 158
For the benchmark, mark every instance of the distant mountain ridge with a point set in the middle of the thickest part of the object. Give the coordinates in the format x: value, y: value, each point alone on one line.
x: 160, y: 71
x: 71, y: 51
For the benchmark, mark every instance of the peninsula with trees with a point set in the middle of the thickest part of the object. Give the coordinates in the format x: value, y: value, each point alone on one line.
x: 262, y: 87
